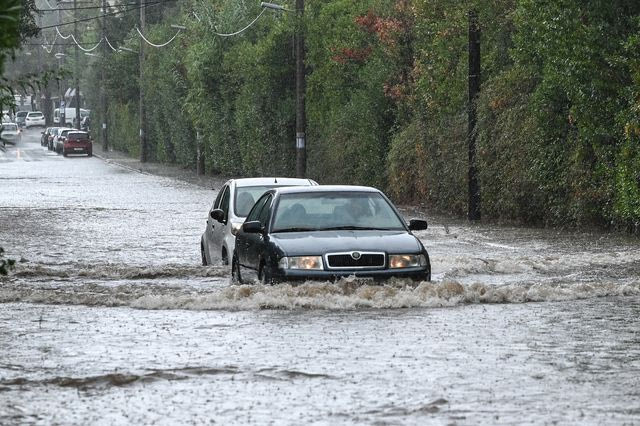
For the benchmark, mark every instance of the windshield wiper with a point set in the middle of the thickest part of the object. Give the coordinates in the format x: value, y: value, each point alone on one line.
x: 355, y: 228
x: 299, y: 229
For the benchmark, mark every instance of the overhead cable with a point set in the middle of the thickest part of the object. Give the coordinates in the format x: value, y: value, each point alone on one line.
x: 242, y: 30
x: 157, y: 45
x: 101, y: 16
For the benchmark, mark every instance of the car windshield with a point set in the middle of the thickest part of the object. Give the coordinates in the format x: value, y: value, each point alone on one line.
x: 246, y: 196
x: 9, y: 128
x: 325, y: 211
x: 77, y: 136
x: 21, y: 114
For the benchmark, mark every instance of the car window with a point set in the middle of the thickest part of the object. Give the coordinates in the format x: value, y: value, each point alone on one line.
x: 34, y: 114
x: 216, y: 202
x: 224, y: 203
x: 263, y: 216
x: 9, y: 127
x: 77, y: 136
x: 254, y: 214
x: 246, y: 196
x: 335, y: 210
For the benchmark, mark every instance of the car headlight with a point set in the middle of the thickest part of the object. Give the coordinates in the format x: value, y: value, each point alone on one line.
x: 301, y: 262
x: 235, y: 227
x: 397, y: 261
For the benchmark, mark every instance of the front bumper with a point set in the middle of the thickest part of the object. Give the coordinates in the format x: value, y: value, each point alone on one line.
x: 417, y: 274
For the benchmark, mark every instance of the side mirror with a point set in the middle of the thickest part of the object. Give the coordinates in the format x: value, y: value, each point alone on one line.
x: 418, y: 225
x: 217, y: 214
x: 254, y: 227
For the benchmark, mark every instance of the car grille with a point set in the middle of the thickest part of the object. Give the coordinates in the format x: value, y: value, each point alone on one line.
x: 347, y: 261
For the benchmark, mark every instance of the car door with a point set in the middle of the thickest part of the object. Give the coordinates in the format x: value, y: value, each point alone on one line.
x: 246, y: 240
x: 217, y: 229
x: 256, y: 241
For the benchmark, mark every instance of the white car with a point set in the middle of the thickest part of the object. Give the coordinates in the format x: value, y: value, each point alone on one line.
x: 57, y: 136
x: 9, y: 133
x: 229, y: 211
x: 35, y: 118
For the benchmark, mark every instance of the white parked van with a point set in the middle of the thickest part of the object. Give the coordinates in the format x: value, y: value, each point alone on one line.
x: 69, y: 115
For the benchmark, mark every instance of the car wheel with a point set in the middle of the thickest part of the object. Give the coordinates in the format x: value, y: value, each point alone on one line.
x: 225, y: 257
x: 204, y: 257
x: 236, y: 277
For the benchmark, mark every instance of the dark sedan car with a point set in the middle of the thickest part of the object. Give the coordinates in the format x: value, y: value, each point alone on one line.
x: 326, y: 232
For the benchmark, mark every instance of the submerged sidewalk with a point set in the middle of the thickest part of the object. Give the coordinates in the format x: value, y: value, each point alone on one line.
x: 159, y: 169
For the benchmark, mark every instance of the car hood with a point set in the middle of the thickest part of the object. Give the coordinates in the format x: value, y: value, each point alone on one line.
x: 321, y: 242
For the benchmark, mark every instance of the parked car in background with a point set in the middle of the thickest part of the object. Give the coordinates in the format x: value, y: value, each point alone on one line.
x: 46, y: 135
x: 10, y: 133
x: 58, y: 142
x: 35, y: 118
x: 229, y: 210
x: 77, y: 142
x: 327, y: 232
x: 20, y: 117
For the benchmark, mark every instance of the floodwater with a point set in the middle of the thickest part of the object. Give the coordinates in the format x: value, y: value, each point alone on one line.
x: 109, y: 319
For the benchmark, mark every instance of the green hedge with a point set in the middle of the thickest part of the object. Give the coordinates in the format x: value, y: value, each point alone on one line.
x: 387, y: 101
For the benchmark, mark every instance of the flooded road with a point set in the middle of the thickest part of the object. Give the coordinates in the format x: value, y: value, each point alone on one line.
x: 109, y: 319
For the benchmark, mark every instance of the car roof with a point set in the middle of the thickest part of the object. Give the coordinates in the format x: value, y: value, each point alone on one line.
x: 325, y: 188
x: 270, y: 181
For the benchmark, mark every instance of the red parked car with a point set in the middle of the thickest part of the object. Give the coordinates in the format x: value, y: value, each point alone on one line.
x: 77, y: 142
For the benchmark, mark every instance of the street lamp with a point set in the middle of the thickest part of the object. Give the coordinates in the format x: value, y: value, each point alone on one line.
x: 273, y: 6
x: 301, y: 145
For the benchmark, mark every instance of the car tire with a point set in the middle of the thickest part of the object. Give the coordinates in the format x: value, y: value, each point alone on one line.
x: 236, y: 275
x: 203, y: 255
x: 225, y: 256
x: 90, y: 154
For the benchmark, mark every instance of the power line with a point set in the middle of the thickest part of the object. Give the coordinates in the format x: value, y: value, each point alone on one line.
x: 157, y: 45
x: 100, y: 16
x: 52, y: 9
x: 242, y: 30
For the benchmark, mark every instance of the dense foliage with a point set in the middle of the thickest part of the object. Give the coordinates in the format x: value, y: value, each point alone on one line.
x: 559, y: 111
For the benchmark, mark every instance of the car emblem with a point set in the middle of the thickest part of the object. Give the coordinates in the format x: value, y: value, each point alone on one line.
x: 355, y: 255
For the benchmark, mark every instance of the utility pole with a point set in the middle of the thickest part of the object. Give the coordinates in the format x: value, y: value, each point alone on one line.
x: 77, y: 70
x: 103, y: 95
x: 61, y: 104
x: 143, y: 136
x: 301, y: 148
x: 474, y: 90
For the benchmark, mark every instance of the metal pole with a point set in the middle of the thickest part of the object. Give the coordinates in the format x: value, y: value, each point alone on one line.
x: 143, y: 136
x: 103, y: 95
x: 77, y: 70
x: 474, y: 90
x: 301, y: 143
x: 199, y: 153
x: 62, y: 119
